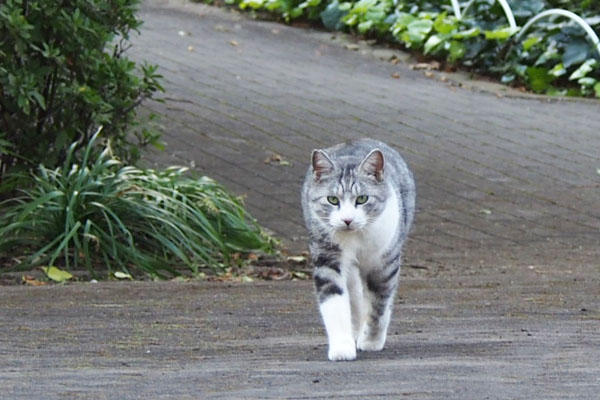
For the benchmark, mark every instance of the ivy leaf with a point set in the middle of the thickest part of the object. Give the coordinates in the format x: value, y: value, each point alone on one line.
x: 508, y: 78
x: 500, y: 34
x: 530, y: 42
x: 364, y: 26
x: 444, y: 25
x: 558, y: 70
x: 467, y: 34
x: 295, y: 13
x: 332, y: 16
x: 539, y: 78
x: 593, y: 20
x: 309, y: 3
x: 252, y: 4
x: 418, y: 30
x: 587, y: 82
x: 526, y: 9
x: 432, y: 43
x: 457, y: 50
x: 583, y: 69
x: 550, y: 53
x: 402, y: 21
x: 576, y: 52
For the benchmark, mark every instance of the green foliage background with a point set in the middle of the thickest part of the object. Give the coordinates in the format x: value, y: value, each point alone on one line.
x: 555, y: 56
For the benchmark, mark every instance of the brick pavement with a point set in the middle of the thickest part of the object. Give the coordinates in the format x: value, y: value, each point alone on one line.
x: 501, y: 178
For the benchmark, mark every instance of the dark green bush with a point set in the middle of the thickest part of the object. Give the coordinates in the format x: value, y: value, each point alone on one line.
x: 63, y: 74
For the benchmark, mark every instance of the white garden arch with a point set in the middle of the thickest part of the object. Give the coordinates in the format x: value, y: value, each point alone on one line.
x: 512, y: 23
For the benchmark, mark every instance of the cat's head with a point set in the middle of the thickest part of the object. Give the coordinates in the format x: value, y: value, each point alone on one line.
x: 348, y: 192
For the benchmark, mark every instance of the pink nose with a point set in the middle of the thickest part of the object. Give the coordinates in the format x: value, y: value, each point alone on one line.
x: 347, y: 221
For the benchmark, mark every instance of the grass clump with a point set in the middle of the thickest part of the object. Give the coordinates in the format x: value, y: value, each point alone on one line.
x: 104, y: 215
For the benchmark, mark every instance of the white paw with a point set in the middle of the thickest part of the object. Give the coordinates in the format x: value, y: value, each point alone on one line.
x: 342, y: 350
x: 365, y: 344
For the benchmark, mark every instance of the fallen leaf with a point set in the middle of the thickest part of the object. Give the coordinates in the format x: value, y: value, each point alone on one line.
x: 277, y: 159
x: 300, y: 275
x: 352, y: 46
x: 297, y: 259
x: 234, y: 43
x: 190, y: 48
x: 221, y: 28
x: 275, y: 31
x: 434, y: 65
x: 183, y: 33
x: 30, y: 280
x: 396, y: 75
x: 485, y: 211
x: 274, y: 274
x: 57, y: 274
x: 122, y: 275
x: 429, y: 74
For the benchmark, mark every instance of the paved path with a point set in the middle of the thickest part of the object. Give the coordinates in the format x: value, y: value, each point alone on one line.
x: 500, y: 179
x: 515, y: 333
x: 499, y: 297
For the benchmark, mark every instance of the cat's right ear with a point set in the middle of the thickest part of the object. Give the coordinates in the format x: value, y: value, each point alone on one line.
x: 321, y: 164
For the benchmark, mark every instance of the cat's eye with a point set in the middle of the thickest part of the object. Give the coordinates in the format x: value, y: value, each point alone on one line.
x: 333, y: 200
x: 362, y: 199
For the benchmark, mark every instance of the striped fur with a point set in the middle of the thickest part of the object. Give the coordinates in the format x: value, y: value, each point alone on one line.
x: 356, y: 241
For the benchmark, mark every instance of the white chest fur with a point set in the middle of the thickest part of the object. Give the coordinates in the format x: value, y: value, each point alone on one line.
x: 367, y: 246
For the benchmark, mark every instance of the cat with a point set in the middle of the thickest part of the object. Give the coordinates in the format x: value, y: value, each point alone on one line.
x: 358, y: 201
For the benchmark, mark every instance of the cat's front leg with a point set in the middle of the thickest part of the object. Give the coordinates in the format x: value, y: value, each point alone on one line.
x: 334, y: 305
x: 381, y: 289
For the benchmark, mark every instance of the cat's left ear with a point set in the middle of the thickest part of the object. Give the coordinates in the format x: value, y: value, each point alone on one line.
x: 373, y: 165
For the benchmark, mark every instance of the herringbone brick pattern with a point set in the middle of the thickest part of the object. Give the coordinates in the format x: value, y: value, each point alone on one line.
x: 500, y: 178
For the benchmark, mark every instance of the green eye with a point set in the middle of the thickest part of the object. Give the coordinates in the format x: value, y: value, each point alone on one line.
x: 333, y: 200
x: 362, y: 199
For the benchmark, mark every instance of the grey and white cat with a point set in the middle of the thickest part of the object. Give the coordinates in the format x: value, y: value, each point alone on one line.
x: 358, y: 201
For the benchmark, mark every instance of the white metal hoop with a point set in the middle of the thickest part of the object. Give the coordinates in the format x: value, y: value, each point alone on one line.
x: 564, y: 13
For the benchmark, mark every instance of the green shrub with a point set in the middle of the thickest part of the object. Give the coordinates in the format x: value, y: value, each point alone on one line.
x: 103, y: 215
x: 63, y: 74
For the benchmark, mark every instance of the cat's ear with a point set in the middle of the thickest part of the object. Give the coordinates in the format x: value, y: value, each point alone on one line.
x: 373, y: 164
x: 321, y: 163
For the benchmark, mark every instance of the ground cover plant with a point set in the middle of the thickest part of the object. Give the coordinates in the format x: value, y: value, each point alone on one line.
x: 105, y: 216
x: 554, y: 56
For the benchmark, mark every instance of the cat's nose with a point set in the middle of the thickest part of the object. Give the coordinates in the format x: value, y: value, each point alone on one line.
x: 347, y: 221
